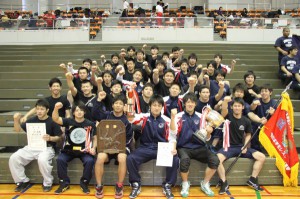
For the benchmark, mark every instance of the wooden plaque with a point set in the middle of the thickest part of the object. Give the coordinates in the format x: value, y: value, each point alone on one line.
x: 111, y: 137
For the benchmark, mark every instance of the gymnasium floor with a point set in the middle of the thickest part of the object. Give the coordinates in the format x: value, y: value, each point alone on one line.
x: 235, y: 192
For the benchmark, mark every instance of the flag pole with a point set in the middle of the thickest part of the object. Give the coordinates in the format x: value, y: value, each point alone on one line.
x: 254, y: 134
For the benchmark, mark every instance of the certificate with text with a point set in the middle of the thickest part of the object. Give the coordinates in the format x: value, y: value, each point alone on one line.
x: 35, y: 133
x: 164, y: 154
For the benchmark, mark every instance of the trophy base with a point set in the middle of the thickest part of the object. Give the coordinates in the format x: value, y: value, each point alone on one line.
x: 200, y: 135
x: 112, y: 151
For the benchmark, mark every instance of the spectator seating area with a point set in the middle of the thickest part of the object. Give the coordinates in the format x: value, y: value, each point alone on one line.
x: 26, y: 70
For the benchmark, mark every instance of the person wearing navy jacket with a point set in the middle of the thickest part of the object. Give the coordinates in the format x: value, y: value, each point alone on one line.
x: 155, y: 128
x: 118, y: 104
x: 187, y: 123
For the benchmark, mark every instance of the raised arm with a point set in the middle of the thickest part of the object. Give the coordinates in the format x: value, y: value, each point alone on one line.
x: 224, y: 110
x: 155, y: 76
x: 70, y: 83
x: 55, y: 114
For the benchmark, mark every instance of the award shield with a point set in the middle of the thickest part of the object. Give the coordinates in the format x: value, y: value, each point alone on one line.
x: 76, y: 139
x: 214, y: 119
x: 111, y: 137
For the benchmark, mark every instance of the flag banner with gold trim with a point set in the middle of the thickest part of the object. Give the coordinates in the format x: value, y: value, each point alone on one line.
x: 277, y: 138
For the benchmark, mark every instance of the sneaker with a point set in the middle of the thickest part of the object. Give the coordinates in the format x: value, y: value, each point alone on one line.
x: 185, y: 189
x: 224, y: 187
x: 168, y: 191
x: 136, y: 190
x: 46, y: 188
x: 253, y: 182
x: 63, y: 186
x: 84, y: 186
x: 206, y: 188
x: 21, y: 186
x: 119, y: 190
x: 99, y: 191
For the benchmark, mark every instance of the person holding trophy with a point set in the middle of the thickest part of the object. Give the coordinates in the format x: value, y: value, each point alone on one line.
x: 105, y: 155
x: 81, y: 142
x: 193, y: 130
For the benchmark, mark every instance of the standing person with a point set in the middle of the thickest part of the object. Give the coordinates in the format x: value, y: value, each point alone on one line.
x: 24, y: 156
x: 282, y: 44
x: 55, y: 87
x: 118, y: 104
x: 240, y: 131
x: 187, y: 122
x: 126, y: 7
x: 159, y: 13
x: 155, y: 128
x: 83, y: 148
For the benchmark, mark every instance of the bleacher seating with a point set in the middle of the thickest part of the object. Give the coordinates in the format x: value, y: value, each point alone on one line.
x: 26, y: 70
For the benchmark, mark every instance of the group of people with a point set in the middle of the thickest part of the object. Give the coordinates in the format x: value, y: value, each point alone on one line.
x: 170, y: 98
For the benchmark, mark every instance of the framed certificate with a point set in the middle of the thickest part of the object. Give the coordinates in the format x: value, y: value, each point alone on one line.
x: 35, y: 133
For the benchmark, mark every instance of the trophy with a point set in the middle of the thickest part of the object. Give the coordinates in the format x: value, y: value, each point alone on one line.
x: 111, y: 137
x: 213, y: 119
x: 76, y: 139
x: 130, y: 103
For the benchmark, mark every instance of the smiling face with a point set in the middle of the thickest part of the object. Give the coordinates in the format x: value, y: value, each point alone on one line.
x: 55, y: 89
x: 78, y: 113
x: 190, y: 106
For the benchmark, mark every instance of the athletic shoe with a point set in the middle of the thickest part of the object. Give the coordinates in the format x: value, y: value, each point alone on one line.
x: 224, y: 187
x: 206, y: 188
x: 253, y: 182
x: 136, y: 190
x: 84, y: 186
x: 99, y: 191
x: 168, y: 191
x: 21, y: 186
x: 185, y: 189
x: 63, y: 186
x: 119, y: 190
x: 47, y: 188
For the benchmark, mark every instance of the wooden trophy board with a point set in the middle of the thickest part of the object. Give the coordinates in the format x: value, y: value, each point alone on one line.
x: 111, y: 137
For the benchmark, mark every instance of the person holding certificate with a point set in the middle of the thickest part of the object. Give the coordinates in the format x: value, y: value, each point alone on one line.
x: 155, y: 128
x: 81, y: 142
x: 42, y: 135
x: 187, y: 123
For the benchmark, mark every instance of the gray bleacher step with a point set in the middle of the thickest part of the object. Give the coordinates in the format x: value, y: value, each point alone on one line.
x: 152, y: 175
x: 26, y: 83
x: 27, y: 93
x: 32, y: 75
x: 7, y: 120
x: 17, y: 105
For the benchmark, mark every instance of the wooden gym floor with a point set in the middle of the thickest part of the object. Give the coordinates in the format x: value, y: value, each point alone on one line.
x: 149, y: 192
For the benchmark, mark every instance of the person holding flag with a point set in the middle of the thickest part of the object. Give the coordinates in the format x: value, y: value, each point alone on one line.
x: 277, y: 138
x: 239, y: 126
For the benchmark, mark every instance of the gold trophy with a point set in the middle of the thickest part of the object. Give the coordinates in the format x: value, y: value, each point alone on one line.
x: 213, y: 118
x: 130, y: 103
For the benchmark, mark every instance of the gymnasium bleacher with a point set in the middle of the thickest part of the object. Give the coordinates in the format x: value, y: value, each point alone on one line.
x: 26, y: 70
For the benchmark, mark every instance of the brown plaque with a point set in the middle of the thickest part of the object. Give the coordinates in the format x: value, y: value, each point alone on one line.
x: 111, y: 137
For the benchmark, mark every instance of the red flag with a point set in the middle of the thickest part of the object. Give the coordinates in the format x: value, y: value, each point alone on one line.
x: 277, y: 138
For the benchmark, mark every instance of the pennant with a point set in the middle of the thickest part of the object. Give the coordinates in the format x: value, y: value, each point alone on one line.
x: 277, y: 138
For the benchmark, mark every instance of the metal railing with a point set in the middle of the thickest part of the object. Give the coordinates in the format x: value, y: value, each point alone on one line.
x: 44, y: 24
